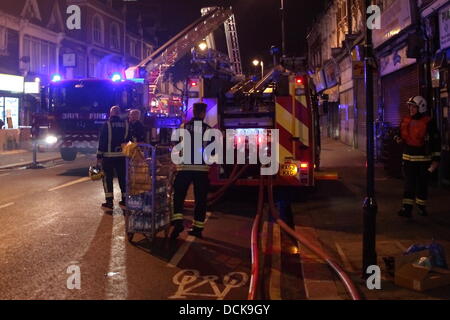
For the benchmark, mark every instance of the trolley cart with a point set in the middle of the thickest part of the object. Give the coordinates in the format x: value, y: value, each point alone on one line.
x: 149, y: 178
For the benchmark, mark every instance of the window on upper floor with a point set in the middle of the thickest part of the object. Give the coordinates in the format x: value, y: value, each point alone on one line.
x: 132, y: 47
x: 3, y: 40
x: 148, y: 51
x: 114, y: 33
x: 42, y: 55
x: 137, y: 49
x: 97, y: 29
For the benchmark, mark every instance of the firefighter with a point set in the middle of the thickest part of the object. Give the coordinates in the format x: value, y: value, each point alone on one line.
x: 196, y: 173
x: 109, y: 155
x: 137, y: 129
x: 421, y: 155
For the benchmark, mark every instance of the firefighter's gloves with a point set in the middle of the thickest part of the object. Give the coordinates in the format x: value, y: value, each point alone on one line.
x: 433, y: 167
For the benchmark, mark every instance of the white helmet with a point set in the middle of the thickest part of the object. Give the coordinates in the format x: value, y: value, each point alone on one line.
x: 420, y: 102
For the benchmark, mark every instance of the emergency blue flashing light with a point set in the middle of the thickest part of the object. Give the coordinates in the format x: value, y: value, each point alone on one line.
x: 56, y: 77
x: 116, y: 77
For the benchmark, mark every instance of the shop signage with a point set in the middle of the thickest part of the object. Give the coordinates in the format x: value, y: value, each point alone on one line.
x: 319, y: 81
x: 444, y: 27
x: 393, y: 20
x: 395, y: 61
x: 11, y: 83
x: 32, y: 87
x: 331, y: 75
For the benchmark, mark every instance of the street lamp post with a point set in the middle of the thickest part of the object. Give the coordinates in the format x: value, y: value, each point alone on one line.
x: 283, y: 30
x: 370, y: 204
x: 256, y: 62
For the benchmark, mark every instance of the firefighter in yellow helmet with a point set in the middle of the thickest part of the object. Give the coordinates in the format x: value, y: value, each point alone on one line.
x: 421, y: 155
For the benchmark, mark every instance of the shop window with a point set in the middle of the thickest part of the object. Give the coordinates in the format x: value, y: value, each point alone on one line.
x: 11, y: 113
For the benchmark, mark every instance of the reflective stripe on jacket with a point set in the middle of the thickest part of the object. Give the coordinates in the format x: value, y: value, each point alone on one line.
x: 112, y: 135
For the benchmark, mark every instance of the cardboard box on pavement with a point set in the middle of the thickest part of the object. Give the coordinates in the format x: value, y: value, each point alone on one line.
x: 416, y: 277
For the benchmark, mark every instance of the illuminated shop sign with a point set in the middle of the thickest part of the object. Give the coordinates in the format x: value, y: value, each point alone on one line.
x: 11, y: 83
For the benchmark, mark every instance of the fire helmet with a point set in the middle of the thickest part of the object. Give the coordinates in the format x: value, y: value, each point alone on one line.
x: 420, y: 102
x: 95, y: 173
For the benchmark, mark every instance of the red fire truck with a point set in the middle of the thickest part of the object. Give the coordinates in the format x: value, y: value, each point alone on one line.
x: 281, y: 101
x: 76, y: 109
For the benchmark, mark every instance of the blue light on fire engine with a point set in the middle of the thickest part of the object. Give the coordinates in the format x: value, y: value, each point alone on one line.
x: 56, y: 77
x: 116, y: 77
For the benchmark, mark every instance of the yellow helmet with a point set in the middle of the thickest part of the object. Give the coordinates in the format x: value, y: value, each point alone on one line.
x: 95, y: 173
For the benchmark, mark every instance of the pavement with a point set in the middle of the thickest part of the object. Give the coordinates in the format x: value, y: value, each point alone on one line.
x: 21, y: 158
x: 332, y: 217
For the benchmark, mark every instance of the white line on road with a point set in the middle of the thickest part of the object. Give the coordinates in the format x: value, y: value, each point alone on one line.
x: 70, y: 183
x: 184, y: 248
x: 6, y: 205
x: 117, y: 285
x: 344, y: 258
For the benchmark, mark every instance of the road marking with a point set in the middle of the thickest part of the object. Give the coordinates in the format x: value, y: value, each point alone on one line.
x: 275, y: 272
x: 117, y: 286
x: 70, y: 183
x: 55, y: 166
x: 6, y: 205
x: 189, y: 276
x: 184, y: 248
x: 344, y: 258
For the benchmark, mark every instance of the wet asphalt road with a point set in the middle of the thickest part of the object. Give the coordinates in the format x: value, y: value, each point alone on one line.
x: 51, y: 226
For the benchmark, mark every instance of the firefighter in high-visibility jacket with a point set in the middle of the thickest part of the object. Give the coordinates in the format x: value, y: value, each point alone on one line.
x: 192, y: 169
x: 421, y: 155
x: 113, y: 134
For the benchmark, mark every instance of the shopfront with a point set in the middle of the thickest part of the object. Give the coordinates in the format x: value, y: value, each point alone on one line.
x: 399, y: 82
x: 441, y: 89
x: 11, y: 90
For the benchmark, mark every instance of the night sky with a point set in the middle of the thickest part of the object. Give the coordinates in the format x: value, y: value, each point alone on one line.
x: 258, y: 23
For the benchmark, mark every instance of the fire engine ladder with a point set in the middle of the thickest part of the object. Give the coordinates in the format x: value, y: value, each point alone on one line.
x: 167, y: 55
x: 232, y: 41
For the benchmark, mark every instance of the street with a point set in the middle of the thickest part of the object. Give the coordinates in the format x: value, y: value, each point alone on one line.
x: 51, y: 220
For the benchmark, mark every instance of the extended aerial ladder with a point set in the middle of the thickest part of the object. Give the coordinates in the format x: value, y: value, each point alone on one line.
x: 152, y: 68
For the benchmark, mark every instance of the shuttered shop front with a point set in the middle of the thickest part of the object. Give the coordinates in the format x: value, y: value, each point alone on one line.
x: 397, y: 88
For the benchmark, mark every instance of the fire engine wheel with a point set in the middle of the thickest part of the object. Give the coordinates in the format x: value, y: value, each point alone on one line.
x: 68, y: 154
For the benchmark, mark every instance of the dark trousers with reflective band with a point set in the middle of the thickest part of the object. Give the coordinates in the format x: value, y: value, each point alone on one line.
x: 109, y: 166
x: 416, y: 183
x: 181, y: 185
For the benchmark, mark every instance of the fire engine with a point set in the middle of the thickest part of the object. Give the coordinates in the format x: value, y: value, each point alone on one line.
x: 281, y: 101
x: 76, y: 109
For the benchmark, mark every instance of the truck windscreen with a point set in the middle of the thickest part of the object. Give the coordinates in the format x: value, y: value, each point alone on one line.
x: 85, y: 96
